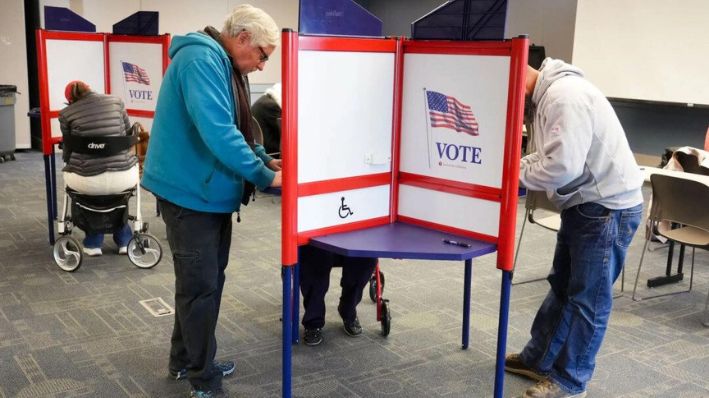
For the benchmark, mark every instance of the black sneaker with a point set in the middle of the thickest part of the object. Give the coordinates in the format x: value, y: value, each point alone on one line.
x: 514, y: 364
x: 353, y: 329
x: 218, y: 393
x: 227, y: 368
x: 312, y: 336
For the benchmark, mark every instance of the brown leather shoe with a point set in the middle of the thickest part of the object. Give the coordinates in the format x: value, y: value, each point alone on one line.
x: 514, y: 364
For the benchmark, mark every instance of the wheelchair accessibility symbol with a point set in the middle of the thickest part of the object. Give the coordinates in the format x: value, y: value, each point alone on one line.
x: 344, y: 210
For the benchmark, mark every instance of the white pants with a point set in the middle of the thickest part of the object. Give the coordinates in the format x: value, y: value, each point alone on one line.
x: 106, y: 183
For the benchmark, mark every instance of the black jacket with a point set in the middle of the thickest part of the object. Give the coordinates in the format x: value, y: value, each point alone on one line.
x: 96, y: 115
x: 267, y: 113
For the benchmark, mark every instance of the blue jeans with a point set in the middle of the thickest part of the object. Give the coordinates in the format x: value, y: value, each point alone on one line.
x: 200, y: 244
x: 121, y: 237
x: 570, y: 324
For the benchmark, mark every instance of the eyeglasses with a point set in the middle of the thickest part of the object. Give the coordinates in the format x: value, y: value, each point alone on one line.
x: 264, y: 56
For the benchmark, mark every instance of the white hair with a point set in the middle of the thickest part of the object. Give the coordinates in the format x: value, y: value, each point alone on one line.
x: 263, y: 29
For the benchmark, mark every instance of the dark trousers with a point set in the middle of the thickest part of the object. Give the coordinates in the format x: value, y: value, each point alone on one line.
x: 315, y: 267
x: 200, y: 250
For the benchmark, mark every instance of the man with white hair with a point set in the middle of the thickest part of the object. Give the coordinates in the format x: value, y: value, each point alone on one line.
x: 201, y: 164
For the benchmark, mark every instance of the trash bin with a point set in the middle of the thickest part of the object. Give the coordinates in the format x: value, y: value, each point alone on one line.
x: 7, y: 122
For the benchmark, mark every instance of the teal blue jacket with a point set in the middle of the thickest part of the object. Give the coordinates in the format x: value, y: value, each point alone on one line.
x: 197, y: 158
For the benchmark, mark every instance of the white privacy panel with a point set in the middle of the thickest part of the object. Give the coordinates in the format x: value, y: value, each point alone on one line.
x: 457, y: 211
x: 54, y: 124
x: 344, y: 207
x: 454, y: 113
x: 136, y: 73
x: 345, y: 102
x: 69, y: 60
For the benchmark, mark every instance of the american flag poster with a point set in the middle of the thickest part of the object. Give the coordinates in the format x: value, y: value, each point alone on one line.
x: 136, y: 71
x: 133, y: 73
x: 447, y: 112
x: 454, y: 117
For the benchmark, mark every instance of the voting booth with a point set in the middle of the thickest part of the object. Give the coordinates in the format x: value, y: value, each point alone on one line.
x: 402, y: 149
x: 129, y: 67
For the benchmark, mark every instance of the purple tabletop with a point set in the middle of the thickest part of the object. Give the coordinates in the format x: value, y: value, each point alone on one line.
x: 400, y: 240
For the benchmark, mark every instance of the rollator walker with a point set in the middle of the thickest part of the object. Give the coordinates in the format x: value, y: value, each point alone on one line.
x: 102, y: 213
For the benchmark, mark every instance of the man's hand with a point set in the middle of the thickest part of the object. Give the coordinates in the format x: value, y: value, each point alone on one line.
x: 274, y: 164
x: 277, y: 180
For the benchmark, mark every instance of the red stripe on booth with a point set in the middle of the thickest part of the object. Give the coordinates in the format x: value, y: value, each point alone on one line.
x: 304, y: 237
x: 449, y: 186
x: 396, y: 130
x: 141, y: 113
x: 343, y: 184
x: 289, y: 149
x: 513, y: 148
x: 448, y: 229
x: 456, y: 47
x: 348, y: 44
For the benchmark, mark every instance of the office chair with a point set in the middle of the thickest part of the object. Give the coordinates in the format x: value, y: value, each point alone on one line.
x: 537, y: 200
x: 258, y: 138
x: 256, y: 129
x: 258, y: 135
x: 681, y: 202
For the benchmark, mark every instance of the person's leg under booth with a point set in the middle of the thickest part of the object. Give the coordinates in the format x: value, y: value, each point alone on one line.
x: 199, y: 280
x: 122, y: 236
x: 93, y: 241
x: 315, y: 266
x: 356, y: 272
x: 570, y: 324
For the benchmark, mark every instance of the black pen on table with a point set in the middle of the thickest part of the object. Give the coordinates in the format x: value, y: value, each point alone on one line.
x: 456, y: 243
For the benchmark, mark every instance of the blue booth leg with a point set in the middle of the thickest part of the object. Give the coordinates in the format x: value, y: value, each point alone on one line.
x: 467, y: 280
x: 52, y: 158
x: 287, y: 328
x: 296, y: 303
x: 502, y: 333
x: 50, y: 196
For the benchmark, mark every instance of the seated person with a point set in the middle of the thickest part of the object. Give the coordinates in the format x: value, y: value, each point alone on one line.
x: 92, y: 114
x: 267, y: 112
x: 315, y: 266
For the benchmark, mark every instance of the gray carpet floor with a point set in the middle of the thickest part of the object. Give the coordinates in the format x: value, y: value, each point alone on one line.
x: 85, y: 334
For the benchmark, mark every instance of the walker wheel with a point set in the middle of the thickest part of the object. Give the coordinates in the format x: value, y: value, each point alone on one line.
x: 67, y: 253
x: 373, y: 286
x: 386, y: 318
x: 144, y: 251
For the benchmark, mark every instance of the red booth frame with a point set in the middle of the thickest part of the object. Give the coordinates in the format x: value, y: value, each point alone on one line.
x: 516, y: 49
x: 47, y: 114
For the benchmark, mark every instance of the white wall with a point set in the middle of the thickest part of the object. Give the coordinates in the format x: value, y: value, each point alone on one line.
x: 397, y: 15
x: 179, y: 17
x: 13, y: 67
x: 549, y: 23
x: 654, y: 50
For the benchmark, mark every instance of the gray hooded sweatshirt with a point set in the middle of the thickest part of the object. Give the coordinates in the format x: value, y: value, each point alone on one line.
x: 582, y: 154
